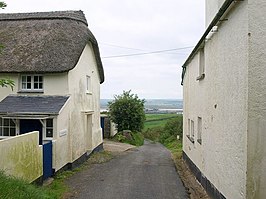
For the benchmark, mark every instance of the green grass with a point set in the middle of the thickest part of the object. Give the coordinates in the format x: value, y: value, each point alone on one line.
x: 14, y: 188
x: 135, y: 138
x: 159, y: 116
x: 164, y: 129
x: 157, y: 120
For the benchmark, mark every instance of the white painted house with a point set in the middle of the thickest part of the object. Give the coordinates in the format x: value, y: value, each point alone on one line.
x: 55, y: 62
x: 224, y: 82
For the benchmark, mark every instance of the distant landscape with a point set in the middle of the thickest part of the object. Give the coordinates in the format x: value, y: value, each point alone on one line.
x: 155, y: 105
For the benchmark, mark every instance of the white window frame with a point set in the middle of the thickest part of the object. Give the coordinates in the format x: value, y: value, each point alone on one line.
x: 199, y: 130
x: 192, y: 130
x: 201, y: 64
x: 46, y: 128
x: 9, y: 127
x: 88, y: 85
x: 31, y: 82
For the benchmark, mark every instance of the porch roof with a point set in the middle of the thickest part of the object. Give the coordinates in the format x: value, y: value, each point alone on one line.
x: 32, y: 105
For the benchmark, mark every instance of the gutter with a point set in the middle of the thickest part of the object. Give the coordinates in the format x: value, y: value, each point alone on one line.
x: 213, y: 23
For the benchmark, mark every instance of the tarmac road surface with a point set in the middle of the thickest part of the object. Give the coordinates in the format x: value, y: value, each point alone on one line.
x: 146, y: 172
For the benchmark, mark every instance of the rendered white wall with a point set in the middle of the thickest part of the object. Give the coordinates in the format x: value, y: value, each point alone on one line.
x: 82, y: 101
x: 221, y: 100
x: 256, y: 187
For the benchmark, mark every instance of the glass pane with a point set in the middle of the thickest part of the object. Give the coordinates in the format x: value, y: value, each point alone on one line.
x: 40, y: 85
x: 12, y: 123
x: 40, y: 78
x: 49, y: 132
x: 36, y: 79
x: 1, y: 131
x: 28, y: 85
x: 0, y: 122
x: 24, y: 86
x: 35, y: 85
x: 12, y: 132
x: 49, y: 123
x: 23, y: 78
x: 28, y: 78
x: 6, y: 122
x: 6, y: 131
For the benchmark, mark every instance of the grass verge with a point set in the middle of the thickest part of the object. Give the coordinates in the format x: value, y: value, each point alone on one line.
x: 14, y: 188
x: 134, y: 138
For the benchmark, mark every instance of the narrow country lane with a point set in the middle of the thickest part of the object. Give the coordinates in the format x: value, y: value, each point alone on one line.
x: 147, y: 172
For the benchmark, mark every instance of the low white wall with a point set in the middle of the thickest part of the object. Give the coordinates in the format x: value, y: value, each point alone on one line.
x: 21, y: 156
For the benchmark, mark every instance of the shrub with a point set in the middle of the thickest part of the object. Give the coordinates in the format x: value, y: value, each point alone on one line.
x: 127, y: 111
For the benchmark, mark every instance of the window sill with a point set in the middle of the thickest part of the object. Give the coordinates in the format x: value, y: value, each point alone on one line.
x: 191, y: 139
x: 22, y: 91
x: 200, y: 77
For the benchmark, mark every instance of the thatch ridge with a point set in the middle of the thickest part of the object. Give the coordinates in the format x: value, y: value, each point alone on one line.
x: 48, y: 42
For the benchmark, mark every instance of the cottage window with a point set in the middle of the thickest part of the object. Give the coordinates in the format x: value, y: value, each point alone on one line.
x: 88, y: 84
x: 199, y: 129
x: 32, y: 83
x: 201, y: 64
x: 190, y: 130
x: 49, y: 128
x: 7, y: 127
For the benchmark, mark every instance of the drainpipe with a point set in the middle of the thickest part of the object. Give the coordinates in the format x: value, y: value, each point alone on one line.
x: 213, y: 23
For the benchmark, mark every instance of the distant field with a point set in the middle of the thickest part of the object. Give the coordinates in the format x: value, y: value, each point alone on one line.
x: 156, y: 120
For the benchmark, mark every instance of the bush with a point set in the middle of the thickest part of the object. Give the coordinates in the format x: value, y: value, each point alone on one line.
x: 153, y: 133
x: 127, y: 111
x: 134, y: 138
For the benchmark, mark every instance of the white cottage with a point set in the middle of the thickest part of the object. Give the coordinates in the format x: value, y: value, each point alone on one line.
x: 224, y: 82
x: 54, y: 61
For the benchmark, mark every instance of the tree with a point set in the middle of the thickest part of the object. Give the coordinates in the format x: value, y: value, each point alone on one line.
x: 5, y: 82
x: 127, y: 111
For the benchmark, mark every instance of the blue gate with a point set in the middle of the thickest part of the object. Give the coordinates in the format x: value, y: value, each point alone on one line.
x: 47, y: 159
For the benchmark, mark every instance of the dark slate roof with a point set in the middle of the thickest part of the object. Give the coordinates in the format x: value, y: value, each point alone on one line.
x: 13, y: 104
x: 45, y: 42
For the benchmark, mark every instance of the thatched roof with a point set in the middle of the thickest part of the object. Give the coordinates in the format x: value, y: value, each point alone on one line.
x: 44, y: 42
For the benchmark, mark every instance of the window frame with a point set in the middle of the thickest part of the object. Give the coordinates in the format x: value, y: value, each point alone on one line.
x: 27, y: 85
x: 46, y: 128
x: 201, y: 64
x: 199, y: 137
x: 88, y: 85
x: 11, y: 125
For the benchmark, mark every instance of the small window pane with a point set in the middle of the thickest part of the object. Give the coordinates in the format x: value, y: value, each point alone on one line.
x: 35, y: 85
x: 6, y: 131
x: 49, y: 132
x: 12, y: 123
x: 1, y: 131
x: 24, y: 86
x: 28, y: 85
x: 23, y: 78
x: 28, y: 78
x: 6, y: 122
x: 40, y: 85
x: 12, y: 131
x: 36, y: 79
x: 49, y: 123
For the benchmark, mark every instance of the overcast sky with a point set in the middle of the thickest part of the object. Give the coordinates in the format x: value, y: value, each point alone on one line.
x: 126, y: 27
